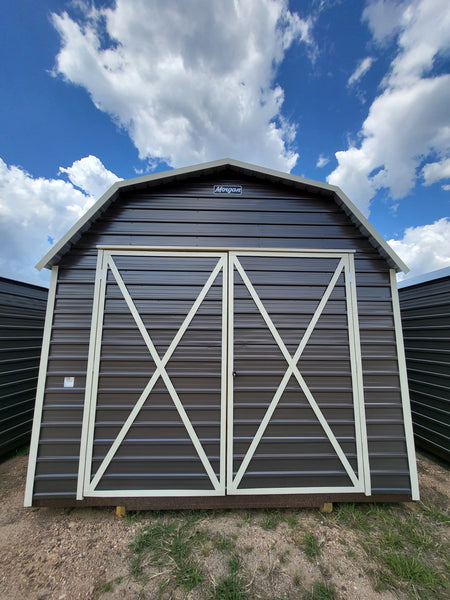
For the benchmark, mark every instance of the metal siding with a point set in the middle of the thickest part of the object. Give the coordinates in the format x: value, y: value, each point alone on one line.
x: 187, y: 215
x: 425, y: 310
x: 22, y: 312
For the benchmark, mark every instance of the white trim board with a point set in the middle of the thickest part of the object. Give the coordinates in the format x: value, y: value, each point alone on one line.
x: 34, y: 444
x: 407, y: 418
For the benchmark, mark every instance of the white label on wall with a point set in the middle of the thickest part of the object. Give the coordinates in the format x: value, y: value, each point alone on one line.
x: 69, y: 381
x: 228, y: 189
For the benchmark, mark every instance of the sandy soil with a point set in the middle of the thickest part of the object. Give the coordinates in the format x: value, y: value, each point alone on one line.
x: 56, y: 554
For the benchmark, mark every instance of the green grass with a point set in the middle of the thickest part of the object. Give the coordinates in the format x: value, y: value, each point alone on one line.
x: 433, y: 512
x: 400, y: 549
x: 355, y: 516
x: 230, y: 588
x: 412, y: 569
x: 168, y: 543
x: 271, y: 519
x: 225, y: 543
x: 106, y: 587
x: 234, y: 564
x: 321, y: 591
x: 312, y: 548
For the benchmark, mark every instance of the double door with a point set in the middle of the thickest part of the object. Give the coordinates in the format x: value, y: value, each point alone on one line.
x: 214, y: 373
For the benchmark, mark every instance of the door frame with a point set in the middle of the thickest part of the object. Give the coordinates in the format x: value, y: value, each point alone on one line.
x: 86, y: 487
x: 227, y: 256
x: 361, y: 482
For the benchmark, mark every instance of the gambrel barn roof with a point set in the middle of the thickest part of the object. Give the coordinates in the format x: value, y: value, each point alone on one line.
x: 218, y: 166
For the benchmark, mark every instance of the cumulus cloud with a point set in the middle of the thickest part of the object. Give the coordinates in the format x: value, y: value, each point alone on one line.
x: 425, y: 248
x: 436, y: 171
x: 90, y: 175
x: 384, y: 18
x: 361, y: 69
x: 36, y: 211
x: 409, y: 121
x: 188, y: 85
x: 322, y: 161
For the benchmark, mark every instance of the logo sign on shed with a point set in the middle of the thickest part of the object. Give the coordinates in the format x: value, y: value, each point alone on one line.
x: 235, y: 190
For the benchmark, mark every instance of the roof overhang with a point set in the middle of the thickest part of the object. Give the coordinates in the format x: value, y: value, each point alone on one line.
x: 84, y: 223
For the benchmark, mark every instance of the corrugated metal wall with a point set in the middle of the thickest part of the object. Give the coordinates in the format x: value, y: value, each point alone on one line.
x: 22, y: 312
x: 188, y: 214
x: 425, y: 310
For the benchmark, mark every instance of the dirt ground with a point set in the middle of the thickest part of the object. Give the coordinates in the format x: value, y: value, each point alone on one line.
x: 83, y: 554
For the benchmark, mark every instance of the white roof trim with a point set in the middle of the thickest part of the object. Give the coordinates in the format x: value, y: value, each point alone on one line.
x: 71, y: 237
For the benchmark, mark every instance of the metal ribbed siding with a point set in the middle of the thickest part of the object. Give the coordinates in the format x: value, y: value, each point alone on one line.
x: 22, y: 312
x: 266, y: 216
x: 425, y: 310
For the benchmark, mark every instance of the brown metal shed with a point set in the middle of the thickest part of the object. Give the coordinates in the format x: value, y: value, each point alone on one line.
x: 222, y: 335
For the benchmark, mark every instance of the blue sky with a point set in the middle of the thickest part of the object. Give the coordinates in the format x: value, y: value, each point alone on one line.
x: 349, y: 92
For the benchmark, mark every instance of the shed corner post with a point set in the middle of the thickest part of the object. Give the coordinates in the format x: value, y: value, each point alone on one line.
x: 37, y: 418
x: 407, y: 419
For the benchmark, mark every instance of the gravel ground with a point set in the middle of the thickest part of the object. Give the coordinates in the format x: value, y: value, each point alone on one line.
x: 72, y: 554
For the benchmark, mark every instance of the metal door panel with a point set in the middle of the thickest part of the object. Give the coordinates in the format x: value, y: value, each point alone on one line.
x: 156, y: 422
x: 295, y: 408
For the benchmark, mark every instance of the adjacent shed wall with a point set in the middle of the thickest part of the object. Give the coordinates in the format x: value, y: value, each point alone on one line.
x: 187, y: 214
x: 425, y: 309
x: 22, y: 311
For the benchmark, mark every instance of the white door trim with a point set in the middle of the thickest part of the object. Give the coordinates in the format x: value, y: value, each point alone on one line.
x: 359, y: 482
x: 227, y: 261
x: 160, y: 371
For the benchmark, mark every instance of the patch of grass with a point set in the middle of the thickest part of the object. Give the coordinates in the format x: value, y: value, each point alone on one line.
x: 390, y: 539
x: 413, y: 569
x: 433, y: 512
x: 292, y: 521
x: 106, y: 587
x: 271, y: 519
x: 189, y: 575
x: 234, y: 564
x: 283, y: 556
x: 354, y: 516
x: 225, y: 543
x: 166, y: 543
x: 230, y: 588
x: 312, y: 548
x: 321, y: 591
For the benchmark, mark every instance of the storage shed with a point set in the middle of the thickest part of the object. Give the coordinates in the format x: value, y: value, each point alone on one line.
x: 222, y: 335
x: 425, y: 310
x: 22, y: 312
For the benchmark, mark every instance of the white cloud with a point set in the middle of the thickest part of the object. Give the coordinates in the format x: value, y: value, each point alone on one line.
x: 436, y: 171
x: 409, y: 121
x: 322, y: 161
x: 384, y: 18
x: 425, y: 248
x: 90, y: 175
x: 361, y: 69
x: 34, y: 211
x: 188, y: 85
